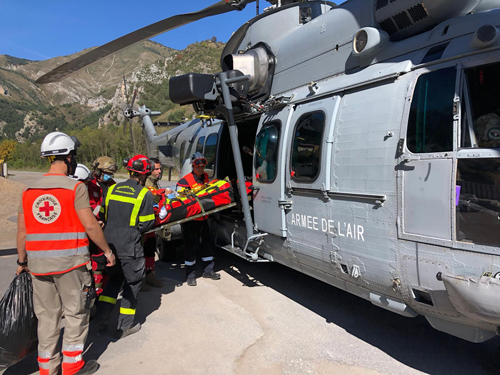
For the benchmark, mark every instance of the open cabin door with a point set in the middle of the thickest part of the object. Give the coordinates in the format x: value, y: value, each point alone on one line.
x: 425, y: 166
x: 268, y: 171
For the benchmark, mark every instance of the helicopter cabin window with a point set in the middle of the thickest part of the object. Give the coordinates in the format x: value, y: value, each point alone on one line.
x: 481, y: 107
x: 199, y: 145
x: 477, y: 201
x: 181, y: 153
x: 306, y: 148
x: 430, y: 125
x: 210, y: 151
x: 266, y: 148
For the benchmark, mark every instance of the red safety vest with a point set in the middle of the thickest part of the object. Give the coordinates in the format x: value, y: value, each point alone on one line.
x: 56, y: 241
x: 193, y: 184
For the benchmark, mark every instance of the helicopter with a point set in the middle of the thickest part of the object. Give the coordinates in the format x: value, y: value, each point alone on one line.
x: 370, y: 132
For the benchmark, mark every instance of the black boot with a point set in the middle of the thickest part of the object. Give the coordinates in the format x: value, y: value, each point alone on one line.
x: 90, y: 368
x: 122, y: 333
x: 211, y: 275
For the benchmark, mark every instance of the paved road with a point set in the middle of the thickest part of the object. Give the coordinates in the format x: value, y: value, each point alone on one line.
x: 269, y: 319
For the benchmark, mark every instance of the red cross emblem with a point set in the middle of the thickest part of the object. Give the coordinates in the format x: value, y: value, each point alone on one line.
x: 47, y: 208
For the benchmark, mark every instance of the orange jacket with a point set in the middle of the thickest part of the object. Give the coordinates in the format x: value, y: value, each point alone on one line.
x: 56, y: 241
x: 188, y: 181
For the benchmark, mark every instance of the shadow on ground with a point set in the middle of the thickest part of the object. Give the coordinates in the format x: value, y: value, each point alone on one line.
x: 412, y: 342
x: 172, y: 275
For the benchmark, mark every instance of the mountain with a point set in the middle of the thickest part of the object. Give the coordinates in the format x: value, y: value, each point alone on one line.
x: 96, y: 96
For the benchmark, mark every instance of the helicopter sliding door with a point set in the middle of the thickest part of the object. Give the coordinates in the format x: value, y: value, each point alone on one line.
x: 426, y: 158
x: 268, y: 172
x: 307, y: 178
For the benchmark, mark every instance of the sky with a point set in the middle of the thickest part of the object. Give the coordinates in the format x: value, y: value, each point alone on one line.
x: 42, y: 29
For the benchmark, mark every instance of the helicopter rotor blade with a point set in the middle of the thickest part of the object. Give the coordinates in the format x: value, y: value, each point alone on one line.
x: 133, y: 99
x: 148, y: 32
x: 125, y: 88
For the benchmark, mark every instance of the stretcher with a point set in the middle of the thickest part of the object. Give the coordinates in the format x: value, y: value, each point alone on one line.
x: 189, y: 218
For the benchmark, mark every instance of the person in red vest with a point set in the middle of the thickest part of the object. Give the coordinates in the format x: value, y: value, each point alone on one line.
x: 104, y: 169
x: 195, y: 229
x: 54, y: 223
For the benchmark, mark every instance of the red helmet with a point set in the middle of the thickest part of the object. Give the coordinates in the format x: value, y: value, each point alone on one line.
x: 140, y: 164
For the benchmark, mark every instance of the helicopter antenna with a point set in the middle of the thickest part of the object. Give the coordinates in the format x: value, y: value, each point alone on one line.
x: 257, y: 7
x: 129, y: 106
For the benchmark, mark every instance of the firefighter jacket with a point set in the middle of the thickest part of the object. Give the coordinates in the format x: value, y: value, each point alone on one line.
x: 192, y: 181
x: 127, y: 210
x: 56, y: 241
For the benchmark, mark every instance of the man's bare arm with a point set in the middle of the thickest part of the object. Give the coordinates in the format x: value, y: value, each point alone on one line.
x: 21, y: 243
x: 95, y: 233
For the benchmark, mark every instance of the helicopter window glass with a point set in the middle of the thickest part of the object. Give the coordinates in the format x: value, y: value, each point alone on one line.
x: 477, y: 197
x: 210, y: 150
x: 199, y: 145
x: 181, y: 152
x: 266, y: 149
x: 306, y: 148
x: 430, y: 125
x: 482, y: 122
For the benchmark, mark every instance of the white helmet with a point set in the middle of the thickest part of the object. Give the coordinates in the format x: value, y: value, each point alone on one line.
x: 81, y: 173
x: 57, y: 143
x: 197, y: 155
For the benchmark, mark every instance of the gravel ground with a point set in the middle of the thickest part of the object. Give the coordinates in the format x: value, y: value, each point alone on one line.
x: 10, y: 196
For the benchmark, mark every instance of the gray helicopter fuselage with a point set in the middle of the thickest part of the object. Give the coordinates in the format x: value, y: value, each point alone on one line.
x: 374, y: 176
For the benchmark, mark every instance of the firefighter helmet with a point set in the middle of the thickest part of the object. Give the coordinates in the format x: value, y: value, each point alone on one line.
x: 81, y: 173
x: 57, y: 143
x: 140, y: 164
x: 104, y: 164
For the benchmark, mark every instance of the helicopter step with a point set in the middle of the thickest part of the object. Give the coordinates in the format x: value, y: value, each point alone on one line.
x: 240, y: 253
x: 250, y: 255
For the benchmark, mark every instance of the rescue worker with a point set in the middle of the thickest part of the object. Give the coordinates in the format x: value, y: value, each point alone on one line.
x: 150, y: 243
x: 82, y: 173
x: 104, y: 169
x: 127, y: 212
x: 53, y: 223
x: 195, y: 229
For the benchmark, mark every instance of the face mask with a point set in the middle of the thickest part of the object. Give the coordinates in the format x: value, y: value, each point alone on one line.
x: 106, y: 178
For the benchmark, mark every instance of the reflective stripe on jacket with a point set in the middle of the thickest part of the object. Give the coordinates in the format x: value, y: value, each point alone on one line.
x: 189, y: 181
x: 127, y: 210
x: 56, y: 241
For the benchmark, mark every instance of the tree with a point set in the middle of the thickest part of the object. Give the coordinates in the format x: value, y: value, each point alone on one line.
x: 7, y: 148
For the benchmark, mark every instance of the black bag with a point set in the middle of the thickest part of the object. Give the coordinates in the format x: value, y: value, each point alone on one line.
x: 18, y: 323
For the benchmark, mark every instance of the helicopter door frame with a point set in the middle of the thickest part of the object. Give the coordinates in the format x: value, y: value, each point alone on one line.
x: 269, y: 193
x: 307, y: 188
x: 426, y: 180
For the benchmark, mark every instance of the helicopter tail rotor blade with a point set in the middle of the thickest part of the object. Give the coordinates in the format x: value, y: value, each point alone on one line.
x: 145, y: 33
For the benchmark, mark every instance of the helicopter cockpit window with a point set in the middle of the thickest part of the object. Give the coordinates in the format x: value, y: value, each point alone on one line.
x: 199, y: 145
x: 306, y: 148
x: 481, y: 107
x: 210, y: 150
x: 266, y: 148
x: 430, y: 124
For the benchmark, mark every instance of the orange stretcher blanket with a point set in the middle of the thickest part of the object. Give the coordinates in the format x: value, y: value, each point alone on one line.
x: 207, y: 197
